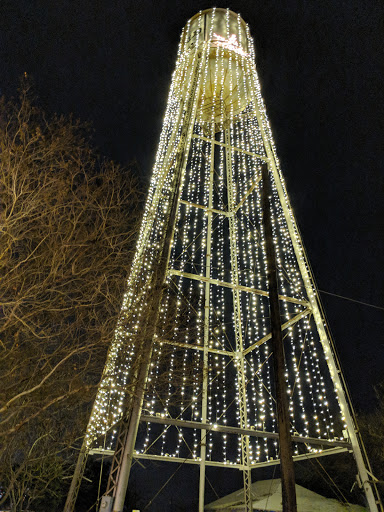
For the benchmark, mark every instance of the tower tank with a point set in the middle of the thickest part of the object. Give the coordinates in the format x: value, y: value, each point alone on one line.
x: 225, y: 35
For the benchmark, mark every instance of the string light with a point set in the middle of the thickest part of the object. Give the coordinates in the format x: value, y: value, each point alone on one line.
x: 219, y: 226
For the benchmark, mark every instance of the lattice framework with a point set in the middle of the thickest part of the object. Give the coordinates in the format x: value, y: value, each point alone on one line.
x: 209, y: 396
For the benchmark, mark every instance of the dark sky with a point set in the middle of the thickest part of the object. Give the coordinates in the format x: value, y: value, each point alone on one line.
x: 321, y: 65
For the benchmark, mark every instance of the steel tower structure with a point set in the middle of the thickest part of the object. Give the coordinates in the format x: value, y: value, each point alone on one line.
x: 191, y: 358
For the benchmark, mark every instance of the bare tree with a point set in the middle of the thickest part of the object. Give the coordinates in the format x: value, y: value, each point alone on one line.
x: 67, y: 224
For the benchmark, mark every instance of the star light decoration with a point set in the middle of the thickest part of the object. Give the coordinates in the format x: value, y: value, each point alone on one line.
x: 231, y: 44
x: 218, y: 239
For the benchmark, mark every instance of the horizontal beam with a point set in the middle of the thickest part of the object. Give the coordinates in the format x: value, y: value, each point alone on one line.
x: 167, y: 458
x: 234, y: 148
x: 180, y: 460
x: 101, y: 451
x: 193, y: 346
x: 239, y: 431
x: 225, y: 284
x: 227, y: 465
x: 285, y: 326
x: 303, y: 456
x: 231, y: 353
x: 205, y: 208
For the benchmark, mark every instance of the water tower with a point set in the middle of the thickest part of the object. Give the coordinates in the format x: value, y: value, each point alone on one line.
x: 189, y: 376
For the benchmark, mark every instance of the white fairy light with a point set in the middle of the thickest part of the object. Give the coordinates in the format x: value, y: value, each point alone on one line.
x: 222, y: 70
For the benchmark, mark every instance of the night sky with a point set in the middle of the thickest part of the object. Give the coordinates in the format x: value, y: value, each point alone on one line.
x: 321, y: 66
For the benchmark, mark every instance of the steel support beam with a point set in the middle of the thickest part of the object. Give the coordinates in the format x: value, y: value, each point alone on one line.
x: 247, y: 194
x: 315, y: 441
x: 231, y: 353
x: 237, y: 317
x: 288, y: 487
x: 207, y: 209
x: 119, y: 490
x: 233, y: 286
x: 77, y: 478
x: 285, y: 326
x: 233, y: 148
x: 193, y: 346
x: 204, y: 394
x: 226, y: 465
x: 303, y: 456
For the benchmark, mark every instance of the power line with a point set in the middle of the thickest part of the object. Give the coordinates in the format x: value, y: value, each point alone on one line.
x: 352, y: 300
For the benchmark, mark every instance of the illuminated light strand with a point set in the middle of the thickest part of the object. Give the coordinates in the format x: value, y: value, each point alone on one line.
x: 312, y: 404
x: 250, y: 172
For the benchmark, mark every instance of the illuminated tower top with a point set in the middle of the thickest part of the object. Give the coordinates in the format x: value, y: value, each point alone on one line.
x: 228, y: 38
x: 193, y: 355
x: 203, y: 27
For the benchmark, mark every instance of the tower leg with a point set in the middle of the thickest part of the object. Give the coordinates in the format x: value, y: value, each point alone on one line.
x: 241, y: 379
x: 203, y: 454
x: 288, y: 489
x: 126, y: 461
x: 76, y: 479
x: 204, y: 403
x: 155, y: 298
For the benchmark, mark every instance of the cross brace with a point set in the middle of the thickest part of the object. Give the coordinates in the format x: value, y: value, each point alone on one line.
x: 193, y: 346
x: 239, y: 287
x: 233, y: 148
x: 241, y: 431
x: 232, y: 353
x: 248, y: 193
x: 205, y: 208
x: 288, y: 324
